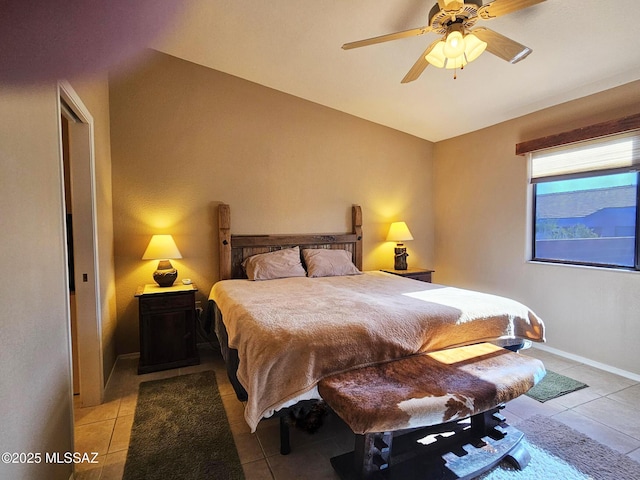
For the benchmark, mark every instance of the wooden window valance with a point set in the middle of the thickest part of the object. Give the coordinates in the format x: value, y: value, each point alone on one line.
x: 603, y: 129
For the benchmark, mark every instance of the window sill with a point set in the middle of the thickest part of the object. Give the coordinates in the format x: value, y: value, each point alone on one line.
x: 583, y: 267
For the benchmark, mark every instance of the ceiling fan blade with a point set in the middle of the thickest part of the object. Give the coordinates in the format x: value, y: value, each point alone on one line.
x: 502, y: 46
x: 498, y: 8
x: 419, y: 66
x: 414, y: 32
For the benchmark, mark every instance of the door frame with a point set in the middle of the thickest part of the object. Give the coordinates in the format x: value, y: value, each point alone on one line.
x: 85, y: 240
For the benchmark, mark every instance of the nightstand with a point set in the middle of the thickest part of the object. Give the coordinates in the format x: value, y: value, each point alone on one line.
x: 421, y: 274
x: 167, y: 317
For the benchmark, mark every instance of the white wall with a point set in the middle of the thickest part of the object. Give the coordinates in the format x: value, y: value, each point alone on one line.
x: 482, y: 219
x: 35, y: 371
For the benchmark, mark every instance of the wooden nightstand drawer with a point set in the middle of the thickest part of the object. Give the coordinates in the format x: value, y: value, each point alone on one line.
x: 155, y: 303
x: 424, y: 275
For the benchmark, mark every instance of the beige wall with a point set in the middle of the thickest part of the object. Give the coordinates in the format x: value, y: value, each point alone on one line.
x: 185, y: 138
x: 35, y: 371
x: 482, y: 220
x: 94, y: 93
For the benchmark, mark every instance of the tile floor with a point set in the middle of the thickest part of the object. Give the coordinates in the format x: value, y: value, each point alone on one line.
x: 608, y: 411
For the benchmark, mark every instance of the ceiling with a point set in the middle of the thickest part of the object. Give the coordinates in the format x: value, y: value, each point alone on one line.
x: 579, y: 47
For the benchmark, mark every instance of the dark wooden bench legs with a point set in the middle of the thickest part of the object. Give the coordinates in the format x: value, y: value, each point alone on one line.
x: 456, y: 450
x: 372, y: 453
x: 285, y: 443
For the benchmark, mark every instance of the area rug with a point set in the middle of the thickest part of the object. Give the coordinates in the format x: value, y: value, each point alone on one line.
x: 560, y: 452
x: 554, y: 385
x: 181, y: 432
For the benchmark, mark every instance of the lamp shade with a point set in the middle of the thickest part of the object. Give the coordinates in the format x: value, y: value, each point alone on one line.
x: 454, y: 63
x: 436, y: 56
x: 454, y: 45
x: 161, y: 247
x: 442, y: 56
x: 473, y: 47
x: 399, y: 232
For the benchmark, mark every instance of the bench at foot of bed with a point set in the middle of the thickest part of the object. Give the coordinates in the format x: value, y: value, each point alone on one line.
x: 432, y: 416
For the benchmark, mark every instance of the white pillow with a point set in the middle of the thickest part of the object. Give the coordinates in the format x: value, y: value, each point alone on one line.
x: 323, y: 262
x: 279, y: 264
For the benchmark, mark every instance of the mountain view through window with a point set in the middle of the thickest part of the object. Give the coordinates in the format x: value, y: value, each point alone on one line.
x: 587, y: 220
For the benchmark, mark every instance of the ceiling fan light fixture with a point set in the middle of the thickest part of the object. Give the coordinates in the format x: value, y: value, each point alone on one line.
x: 436, y: 56
x: 454, y: 46
x: 455, y: 63
x: 473, y: 47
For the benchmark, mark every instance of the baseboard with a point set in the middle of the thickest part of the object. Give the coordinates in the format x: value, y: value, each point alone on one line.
x: 587, y: 361
x: 129, y: 355
x: 124, y: 355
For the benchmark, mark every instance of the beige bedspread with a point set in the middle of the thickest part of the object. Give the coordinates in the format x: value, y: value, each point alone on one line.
x: 291, y: 332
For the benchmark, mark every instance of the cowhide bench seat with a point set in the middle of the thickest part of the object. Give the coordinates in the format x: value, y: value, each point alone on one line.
x: 385, y: 404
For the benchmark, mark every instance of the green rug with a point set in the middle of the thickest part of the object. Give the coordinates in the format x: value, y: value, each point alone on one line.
x: 181, y: 432
x: 554, y: 385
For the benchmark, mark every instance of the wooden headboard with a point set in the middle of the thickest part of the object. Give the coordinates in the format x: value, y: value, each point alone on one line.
x: 235, y: 248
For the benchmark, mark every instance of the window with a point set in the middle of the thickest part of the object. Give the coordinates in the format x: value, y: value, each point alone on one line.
x: 586, y: 198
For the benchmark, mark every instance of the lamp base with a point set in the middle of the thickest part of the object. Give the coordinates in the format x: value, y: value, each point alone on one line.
x: 165, y: 275
x: 400, y: 259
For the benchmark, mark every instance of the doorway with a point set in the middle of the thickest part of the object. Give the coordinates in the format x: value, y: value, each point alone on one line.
x: 65, y: 118
x: 77, y: 148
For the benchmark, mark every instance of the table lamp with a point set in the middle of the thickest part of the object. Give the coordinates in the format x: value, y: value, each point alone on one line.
x: 163, y: 248
x: 399, y: 232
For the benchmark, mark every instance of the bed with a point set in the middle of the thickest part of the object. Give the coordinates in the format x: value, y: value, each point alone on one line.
x: 282, y: 332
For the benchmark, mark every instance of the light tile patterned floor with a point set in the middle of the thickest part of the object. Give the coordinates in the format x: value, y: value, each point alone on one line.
x: 608, y: 411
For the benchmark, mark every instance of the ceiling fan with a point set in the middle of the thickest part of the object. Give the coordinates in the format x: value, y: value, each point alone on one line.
x: 459, y: 44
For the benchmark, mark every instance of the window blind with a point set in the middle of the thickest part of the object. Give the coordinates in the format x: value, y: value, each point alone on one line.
x: 613, y: 154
